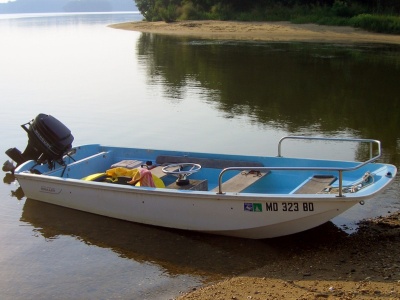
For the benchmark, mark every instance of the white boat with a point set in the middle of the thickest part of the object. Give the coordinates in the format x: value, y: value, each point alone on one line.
x: 243, y: 196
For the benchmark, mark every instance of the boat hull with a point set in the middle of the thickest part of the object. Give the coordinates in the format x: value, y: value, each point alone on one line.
x: 231, y: 214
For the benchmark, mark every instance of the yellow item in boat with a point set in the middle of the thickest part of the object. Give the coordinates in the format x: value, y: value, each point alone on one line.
x: 95, y: 177
x: 123, y: 172
x: 139, y: 177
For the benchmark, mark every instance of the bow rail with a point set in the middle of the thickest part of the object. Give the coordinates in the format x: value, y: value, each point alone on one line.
x: 339, y: 170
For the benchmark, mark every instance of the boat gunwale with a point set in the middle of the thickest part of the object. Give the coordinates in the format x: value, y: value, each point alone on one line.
x: 210, y: 195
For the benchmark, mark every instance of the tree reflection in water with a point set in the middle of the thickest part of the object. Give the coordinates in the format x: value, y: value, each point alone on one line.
x: 344, y: 90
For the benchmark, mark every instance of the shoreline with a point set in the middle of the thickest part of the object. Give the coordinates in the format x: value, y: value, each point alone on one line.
x: 261, y: 31
x: 321, y: 264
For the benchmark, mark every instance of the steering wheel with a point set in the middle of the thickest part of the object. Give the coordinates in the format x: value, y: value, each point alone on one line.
x: 182, y: 171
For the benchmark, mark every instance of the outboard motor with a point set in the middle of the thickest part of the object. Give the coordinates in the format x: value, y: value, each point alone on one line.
x: 48, y: 141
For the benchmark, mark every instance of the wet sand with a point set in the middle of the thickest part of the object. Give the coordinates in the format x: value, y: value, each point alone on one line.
x: 365, y: 265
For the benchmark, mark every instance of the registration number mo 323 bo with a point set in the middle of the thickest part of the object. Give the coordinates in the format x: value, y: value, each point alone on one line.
x: 279, y: 206
x: 289, y: 206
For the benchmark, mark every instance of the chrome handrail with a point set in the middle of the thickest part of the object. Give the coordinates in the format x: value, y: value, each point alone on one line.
x: 370, y: 141
x: 339, y: 170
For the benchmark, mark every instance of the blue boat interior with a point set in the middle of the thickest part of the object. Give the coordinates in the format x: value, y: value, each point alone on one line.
x: 267, y: 175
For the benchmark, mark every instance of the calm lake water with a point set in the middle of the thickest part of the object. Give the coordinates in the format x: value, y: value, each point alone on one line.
x: 142, y: 90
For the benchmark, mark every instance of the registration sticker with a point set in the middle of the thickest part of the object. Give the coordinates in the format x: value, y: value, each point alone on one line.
x: 257, y: 207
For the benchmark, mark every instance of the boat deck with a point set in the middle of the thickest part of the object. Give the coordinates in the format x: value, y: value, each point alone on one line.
x: 241, y: 181
x: 316, y: 184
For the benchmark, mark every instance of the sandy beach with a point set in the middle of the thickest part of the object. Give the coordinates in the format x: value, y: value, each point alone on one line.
x: 262, y: 31
x: 321, y: 264
x: 314, y: 265
x: 364, y: 265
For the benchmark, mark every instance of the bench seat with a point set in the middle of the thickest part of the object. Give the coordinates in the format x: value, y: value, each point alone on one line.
x: 241, y: 181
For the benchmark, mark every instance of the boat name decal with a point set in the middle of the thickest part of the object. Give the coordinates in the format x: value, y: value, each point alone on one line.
x: 289, y: 206
x: 49, y: 190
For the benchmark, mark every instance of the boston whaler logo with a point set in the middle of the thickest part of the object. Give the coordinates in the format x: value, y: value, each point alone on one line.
x: 49, y: 190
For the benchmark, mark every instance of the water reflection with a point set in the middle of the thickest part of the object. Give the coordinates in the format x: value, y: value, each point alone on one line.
x: 9, y: 178
x: 18, y: 192
x: 178, y: 252
x: 298, y: 87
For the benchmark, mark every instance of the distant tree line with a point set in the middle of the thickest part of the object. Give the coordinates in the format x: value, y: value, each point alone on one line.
x: 375, y: 15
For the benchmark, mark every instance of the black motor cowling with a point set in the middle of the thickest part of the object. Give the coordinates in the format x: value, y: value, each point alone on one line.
x: 48, y: 140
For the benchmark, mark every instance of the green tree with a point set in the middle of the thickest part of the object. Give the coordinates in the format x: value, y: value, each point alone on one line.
x: 327, y: 12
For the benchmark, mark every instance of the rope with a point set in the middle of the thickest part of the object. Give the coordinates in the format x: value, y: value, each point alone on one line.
x: 252, y: 172
x: 366, y: 180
